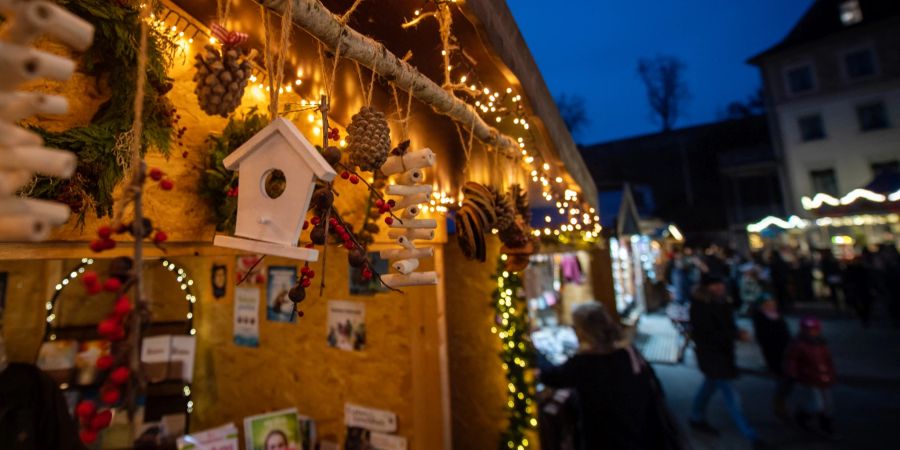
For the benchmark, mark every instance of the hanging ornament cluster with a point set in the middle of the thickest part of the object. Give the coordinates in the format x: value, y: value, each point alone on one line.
x: 487, y: 209
x: 222, y: 73
x: 368, y: 139
x: 23, y: 152
x: 112, y: 368
x: 157, y: 236
x: 408, y: 169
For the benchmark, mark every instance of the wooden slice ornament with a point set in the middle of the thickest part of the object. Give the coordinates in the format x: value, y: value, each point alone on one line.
x: 407, y: 169
x: 22, y: 152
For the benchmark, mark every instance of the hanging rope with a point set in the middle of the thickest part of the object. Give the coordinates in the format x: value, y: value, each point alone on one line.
x: 275, y: 63
x: 223, y: 11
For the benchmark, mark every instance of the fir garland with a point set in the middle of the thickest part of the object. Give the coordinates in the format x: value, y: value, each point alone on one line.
x: 511, y: 316
x: 219, y: 185
x: 112, y: 60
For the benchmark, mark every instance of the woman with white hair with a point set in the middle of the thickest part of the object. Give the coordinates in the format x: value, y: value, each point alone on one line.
x: 620, y: 400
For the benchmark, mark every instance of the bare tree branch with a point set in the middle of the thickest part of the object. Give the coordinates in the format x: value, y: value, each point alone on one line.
x: 667, y: 92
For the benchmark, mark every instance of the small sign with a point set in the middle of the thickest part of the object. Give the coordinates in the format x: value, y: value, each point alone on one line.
x: 246, y: 316
x: 370, y: 418
x: 381, y: 441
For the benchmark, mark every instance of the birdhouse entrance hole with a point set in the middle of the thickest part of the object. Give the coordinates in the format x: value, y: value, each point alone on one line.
x: 274, y: 183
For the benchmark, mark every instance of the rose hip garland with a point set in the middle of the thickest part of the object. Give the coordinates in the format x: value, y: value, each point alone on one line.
x: 112, y: 367
x: 104, y: 239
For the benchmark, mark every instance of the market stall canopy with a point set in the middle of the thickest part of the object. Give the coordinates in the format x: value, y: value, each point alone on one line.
x: 879, y: 196
x: 494, y: 59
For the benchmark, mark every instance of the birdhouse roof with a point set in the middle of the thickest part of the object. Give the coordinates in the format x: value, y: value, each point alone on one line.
x: 292, y: 136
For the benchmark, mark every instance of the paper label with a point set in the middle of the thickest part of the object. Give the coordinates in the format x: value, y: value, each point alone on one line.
x: 370, y: 418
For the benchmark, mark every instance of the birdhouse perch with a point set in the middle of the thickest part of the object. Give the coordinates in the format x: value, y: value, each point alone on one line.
x: 278, y: 168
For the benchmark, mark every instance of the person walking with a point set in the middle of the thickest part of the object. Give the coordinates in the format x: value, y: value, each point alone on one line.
x: 809, y: 363
x: 715, y: 332
x: 622, y: 406
x: 773, y: 338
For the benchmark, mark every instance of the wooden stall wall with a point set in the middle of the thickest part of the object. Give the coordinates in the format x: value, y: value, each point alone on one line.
x: 477, y: 382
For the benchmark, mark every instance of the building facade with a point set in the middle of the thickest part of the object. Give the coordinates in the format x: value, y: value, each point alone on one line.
x: 710, y: 180
x: 833, y: 92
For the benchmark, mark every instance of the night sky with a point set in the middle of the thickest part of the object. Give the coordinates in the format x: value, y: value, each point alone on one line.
x: 591, y: 48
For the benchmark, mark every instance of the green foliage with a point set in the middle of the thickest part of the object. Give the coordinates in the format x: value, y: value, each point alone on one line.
x: 219, y: 185
x: 112, y: 59
x: 511, y: 316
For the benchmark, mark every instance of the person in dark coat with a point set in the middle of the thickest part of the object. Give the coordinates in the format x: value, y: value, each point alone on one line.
x: 773, y: 338
x: 809, y: 363
x: 33, y: 412
x: 714, y: 333
x: 618, y: 393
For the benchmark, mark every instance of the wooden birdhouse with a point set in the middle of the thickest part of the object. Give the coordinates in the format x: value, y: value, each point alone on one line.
x: 278, y: 169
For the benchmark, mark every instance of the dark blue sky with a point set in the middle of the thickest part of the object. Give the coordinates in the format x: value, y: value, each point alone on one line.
x: 591, y: 48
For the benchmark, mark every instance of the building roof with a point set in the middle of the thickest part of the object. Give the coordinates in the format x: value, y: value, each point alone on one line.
x: 298, y: 143
x: 823, y: 19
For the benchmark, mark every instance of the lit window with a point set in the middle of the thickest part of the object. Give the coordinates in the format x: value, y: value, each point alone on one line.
x: 851, y: 13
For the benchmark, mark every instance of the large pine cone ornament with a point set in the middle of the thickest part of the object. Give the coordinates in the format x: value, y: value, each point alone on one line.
x: 520, y: 197
x: 506, y: 211
x: 368, y: 139
x: 221, y: 78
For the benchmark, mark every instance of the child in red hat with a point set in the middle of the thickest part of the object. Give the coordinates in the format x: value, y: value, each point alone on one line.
x: 808, y: 362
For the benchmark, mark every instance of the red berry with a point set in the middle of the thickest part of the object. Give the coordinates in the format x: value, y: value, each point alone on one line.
x: 366, y: 273
x: 160, y: 237
x: 305, y: 282
x: 105, y: 362
x: 112, y: 285
x: 88, y: 436
x: 389, y: 220
x: 305, y: 224
x: 93, y: 289
x: 339, y: 229
x: 123, y: 306
x: 89, y: 277
x: 85, y: 409
x: 156, y: 174
x: 345, y: 174
x: 299, y: 313
x: 391, y: 203
x: 110, y: 396
x: 101, y: 420
x: 305, y: 270
x: 384, y: 209
x: 166, y: 184
x: 354, y: 179
x: 310, y: 245
x: 333, y: 222
x: 118, y: 335
x: 345, y: 236
x: 104, y: 232
x: 97, y: 246
x: 107, y: 327
x: 108, y: 244
x: 311, y: 273
x: 349, y: 245
x: 316, y: 220
x: 379, y: 203
x: 119, y: 375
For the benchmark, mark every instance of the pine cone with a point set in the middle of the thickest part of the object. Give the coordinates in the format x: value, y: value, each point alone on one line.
x: 368, y: 139
x: 520, y: 196
x: 221, y: 78
x: 506, y: 210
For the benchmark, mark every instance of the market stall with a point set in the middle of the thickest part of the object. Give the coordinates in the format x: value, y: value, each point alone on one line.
x: 274, y: 220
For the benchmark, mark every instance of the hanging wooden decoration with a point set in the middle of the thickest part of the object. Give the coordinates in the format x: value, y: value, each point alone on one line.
x: 408, y: 168
x: 368, y: 139
x: 22, y: 153
x: 487, y: 209
x: 222, y: 73
x: 278, y: 169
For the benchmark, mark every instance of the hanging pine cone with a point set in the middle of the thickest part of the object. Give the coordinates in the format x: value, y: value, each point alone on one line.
x: 506, y: 210
x: 368, y: 139
x: 221, y: 78
x: 520, y: 196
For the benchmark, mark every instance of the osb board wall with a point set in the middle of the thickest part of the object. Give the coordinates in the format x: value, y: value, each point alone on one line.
x: 477, y: 382
x: 292, y: 367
